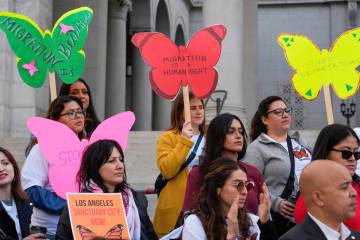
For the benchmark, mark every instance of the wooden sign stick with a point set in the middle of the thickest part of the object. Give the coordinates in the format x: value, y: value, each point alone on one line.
x: 52, y: 86
x: 186, y: 103
x: 328, y: 105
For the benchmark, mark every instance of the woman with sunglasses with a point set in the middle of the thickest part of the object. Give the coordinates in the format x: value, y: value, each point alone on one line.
x: 273, y: 152
x: 221, y: 211
x: 226, y: 137
x: 47, y: 205
x: 340, y: 144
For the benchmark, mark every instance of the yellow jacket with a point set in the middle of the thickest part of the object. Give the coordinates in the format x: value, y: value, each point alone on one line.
x: 172, y: 149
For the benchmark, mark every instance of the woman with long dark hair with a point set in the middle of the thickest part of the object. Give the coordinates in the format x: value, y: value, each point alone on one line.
x: 47, y: 204
x: 278, y: 156
x: 221, y: 212
x: 81, y: 90
x: 226, y: 137
x: 338, y: 143
x: 15, y: 208
x: 175, y: 147
x: 103, y: 171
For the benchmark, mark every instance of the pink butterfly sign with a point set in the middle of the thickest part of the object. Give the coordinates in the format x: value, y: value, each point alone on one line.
x: 63, y: 149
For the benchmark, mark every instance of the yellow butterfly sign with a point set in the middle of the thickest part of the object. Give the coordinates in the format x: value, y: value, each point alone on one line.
x: 314, y: 68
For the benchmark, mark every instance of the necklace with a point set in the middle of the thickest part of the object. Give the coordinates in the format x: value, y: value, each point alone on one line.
x: 8, y: 202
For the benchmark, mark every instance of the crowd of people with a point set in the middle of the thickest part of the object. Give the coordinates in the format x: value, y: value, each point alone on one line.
x: 219, y: 183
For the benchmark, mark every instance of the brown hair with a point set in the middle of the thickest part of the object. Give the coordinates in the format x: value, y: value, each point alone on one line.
x: 209, y: 202
x: 54, y: 112
x: 58, y: 105
x: 257, y: 126
x: 16, y: 188
x: 96, y: 155
x: 177, y: 114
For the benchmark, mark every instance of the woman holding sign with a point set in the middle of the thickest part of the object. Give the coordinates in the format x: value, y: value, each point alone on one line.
x: 15, y: 209
x: 176, y: 148
x: 103, y: 171
x: 47, y: 204
x: 275, y: 154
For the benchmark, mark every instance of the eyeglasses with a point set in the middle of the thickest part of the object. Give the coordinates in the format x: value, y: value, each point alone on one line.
x: 280, y: 111
x: 249, y: 185
x: 346, y: 154
x: 73, y: 113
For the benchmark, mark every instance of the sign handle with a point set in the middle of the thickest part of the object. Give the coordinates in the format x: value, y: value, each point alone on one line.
x: 328, y: 105
x: 52, y: 86
x: 186, y: 103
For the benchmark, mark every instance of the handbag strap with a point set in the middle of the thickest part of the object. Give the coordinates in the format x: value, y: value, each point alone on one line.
x: 190, y: 158
x: 192, y: 154
x: 289, y: 187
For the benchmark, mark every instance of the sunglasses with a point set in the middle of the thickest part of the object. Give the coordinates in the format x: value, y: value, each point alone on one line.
x: 346, y: 154
x: 249, y: 185
x: 280, y: 111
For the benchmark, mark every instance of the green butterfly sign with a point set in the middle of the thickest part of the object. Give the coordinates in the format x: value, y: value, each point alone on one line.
x: 39, y: 52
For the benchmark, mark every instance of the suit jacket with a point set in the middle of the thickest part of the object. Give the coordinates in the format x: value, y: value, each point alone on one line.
x: 309, y: 230
x: 24, y: 213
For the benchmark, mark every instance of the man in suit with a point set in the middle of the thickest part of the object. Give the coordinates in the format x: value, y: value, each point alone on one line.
x: 330, y: 200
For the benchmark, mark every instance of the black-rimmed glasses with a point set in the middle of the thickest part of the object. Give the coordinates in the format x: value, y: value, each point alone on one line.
x: 280, y: 111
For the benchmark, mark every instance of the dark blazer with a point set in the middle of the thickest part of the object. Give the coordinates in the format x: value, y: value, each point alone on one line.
x: 7, y: 225
x: 309, y: 230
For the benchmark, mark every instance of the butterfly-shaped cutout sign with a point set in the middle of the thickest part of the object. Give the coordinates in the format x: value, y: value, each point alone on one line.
x: 114, y: 233
x: 64, y: 152
x: 39, y: 52
x: 300, y: 153
x: 314, y: 68
x: 173, y: 66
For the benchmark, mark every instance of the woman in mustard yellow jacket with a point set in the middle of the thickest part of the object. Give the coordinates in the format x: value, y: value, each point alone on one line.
x: 173, y: 148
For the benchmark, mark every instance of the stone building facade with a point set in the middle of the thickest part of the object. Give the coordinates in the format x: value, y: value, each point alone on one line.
x: 251, y: 66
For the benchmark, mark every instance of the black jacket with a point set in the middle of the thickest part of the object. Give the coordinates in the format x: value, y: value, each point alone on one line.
x: 7, y: 225
x: 63, y: 231
x: 309, y: 230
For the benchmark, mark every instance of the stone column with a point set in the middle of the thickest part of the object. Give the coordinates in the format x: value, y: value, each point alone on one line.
x: 19, y: 101
x: 236, y: 16
x: 161, y: 113
x: 141, y: 92
x: 96, y: 55
x: 116, y: 58
x: 95, y: 48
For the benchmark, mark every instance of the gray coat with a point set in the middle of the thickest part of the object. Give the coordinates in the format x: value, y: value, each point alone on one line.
x: 273, y: 161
